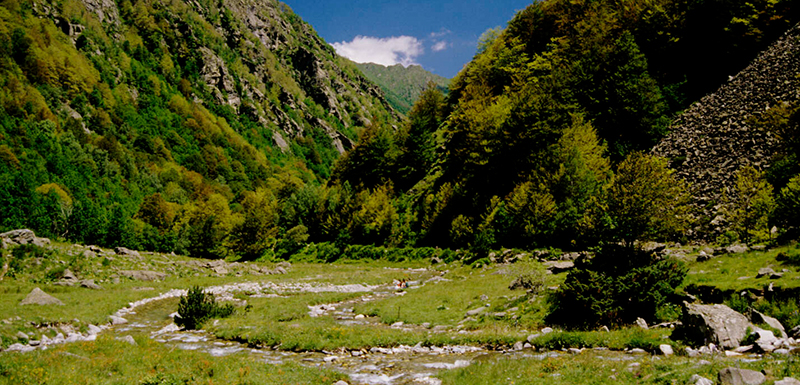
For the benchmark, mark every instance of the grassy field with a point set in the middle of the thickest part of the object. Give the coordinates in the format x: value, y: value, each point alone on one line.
x: 601, y: 367
x: 107, y: 361
x: 433, y: 310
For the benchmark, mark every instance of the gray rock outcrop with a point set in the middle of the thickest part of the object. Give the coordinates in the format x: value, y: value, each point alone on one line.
x: 735, y: 376
x: 23, y: 237
x: 127, y: 252
x: 714, y: 138
x: 718, y: 324
x: 38, y: 297
x: 143, y: 275
x: 788, y: 381
x: 759, y: 318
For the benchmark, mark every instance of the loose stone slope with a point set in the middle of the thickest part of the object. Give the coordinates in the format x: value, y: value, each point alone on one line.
x: 713, y: 138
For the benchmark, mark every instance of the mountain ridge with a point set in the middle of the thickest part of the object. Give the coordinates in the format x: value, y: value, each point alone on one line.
x: 402, y: 85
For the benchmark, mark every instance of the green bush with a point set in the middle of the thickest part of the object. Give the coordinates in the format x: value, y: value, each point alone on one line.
x: 196, y: 307
x: 617, y: 286
x: 161, y: 379
x: 789, y: 257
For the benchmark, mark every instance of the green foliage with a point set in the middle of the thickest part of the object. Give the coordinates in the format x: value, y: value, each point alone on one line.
x: 403, y: 86
x: 788, y: 204
x: 646, y: 201
x: 197, y: 307
x: 752, y: 206
x: 616, y: 287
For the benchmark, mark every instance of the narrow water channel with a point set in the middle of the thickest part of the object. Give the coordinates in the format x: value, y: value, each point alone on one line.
x: 378, y: 366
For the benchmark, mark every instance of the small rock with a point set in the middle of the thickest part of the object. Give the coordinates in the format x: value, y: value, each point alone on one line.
x: 666, y: 350
x: 765, y: 272
x: 20, y: 348
x: 735, y: 376
x: 68, y: 275
x: 475, y: 312
x: 787, y: 381
x: 117, y: 320
x: 546, y: 330
x: 340, y: 383
x: 426, y: 325
x: 360, y: 316
x: 127, y: 252
x: 637, y: 351
x: 143, y: 275
x: 89, y: 284
x: 699, y: 380
x: 640, y: 322
x: 330, y: 358
x: 527, y: 346
x: 398, y: 324
x: 22, y: 336
x: 356, y: 353
x: 93, y: 330
x: 519, y: 345
x: 38, y: 297
x: 736, y: 249
x: 127, y: 339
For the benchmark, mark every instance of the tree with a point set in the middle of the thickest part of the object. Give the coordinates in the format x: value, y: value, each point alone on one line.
x: 646, y: 201
x: 752, y: 207
x: 251, y: 237
x: 788, y: 205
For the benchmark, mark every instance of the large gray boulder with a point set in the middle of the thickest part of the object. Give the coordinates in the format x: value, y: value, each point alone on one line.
x: 23, y: 237
x: 143, y: 275
x: 787, y: 381
x: 735, y: 376
x: 38, y: 297
x: 716, y: 324
x: 127, y: 252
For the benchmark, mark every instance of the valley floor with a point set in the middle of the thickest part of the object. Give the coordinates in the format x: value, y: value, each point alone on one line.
x: 348, y: 321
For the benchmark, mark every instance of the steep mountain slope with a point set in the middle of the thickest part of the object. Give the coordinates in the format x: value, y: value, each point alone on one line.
x: 121, y: 122
x: 534, y: 126
x: 402, y: 85
x: 716, y: 136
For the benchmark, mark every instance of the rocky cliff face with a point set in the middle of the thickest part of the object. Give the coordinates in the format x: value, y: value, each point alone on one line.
x: 713, y: 138
x: 256, y: 57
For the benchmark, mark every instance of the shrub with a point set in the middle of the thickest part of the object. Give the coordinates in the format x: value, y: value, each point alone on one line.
x: 196, y: 307
x: 615, y: 288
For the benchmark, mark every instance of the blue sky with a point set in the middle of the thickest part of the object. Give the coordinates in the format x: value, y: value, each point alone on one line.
x: 439, y: 35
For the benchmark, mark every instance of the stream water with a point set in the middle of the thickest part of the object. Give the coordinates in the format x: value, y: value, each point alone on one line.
x: 377, y: 366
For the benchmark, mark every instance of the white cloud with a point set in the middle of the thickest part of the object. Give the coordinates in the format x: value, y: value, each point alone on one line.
x: 442, y: 32
x: 440, y: 46
x: 385, y: 51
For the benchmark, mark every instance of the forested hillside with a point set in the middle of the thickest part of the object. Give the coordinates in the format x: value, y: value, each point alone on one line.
x: 402, y: 85
x: 169, y: 125
x: 540, y: 141
x: 215, y: 128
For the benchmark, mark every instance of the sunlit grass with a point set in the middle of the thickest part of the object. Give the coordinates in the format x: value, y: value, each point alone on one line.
x: 107, y: 361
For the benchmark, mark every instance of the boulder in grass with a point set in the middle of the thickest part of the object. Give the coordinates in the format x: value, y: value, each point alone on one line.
x: 23, y: 237
x: 127, y: 252
x: 143, y: 275
x: 718, y: 324
x: 38, y: 297
x: 736, y: 376
x: 759, y: 318
x: 787, y: 381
